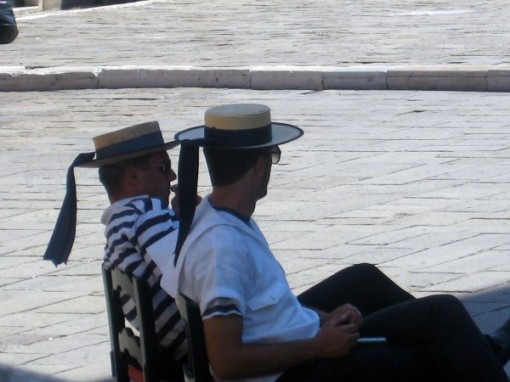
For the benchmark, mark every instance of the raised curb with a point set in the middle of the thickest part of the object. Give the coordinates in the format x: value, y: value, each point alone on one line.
x: 482, y: 79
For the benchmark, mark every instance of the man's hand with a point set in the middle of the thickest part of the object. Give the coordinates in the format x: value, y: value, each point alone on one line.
x: 175, y: 200
x: 351, y: 314
x: 337, y: 336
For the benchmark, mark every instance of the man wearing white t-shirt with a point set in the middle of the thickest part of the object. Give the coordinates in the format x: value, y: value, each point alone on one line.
x: 255, y: 328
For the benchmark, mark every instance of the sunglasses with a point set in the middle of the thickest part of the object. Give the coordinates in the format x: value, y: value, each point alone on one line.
x: 276, y: 154
x: 165, y: 167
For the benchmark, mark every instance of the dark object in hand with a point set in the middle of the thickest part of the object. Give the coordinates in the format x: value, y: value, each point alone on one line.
x: 371, y: 341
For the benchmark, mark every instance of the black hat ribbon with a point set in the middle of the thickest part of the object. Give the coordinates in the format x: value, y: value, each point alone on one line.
x: 62, y: 239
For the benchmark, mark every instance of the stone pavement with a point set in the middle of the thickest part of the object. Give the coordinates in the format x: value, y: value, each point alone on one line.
x: 416, y: 182
x: 225, y: 33
x: 264, y: 45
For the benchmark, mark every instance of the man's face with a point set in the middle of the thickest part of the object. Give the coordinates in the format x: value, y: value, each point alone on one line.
x: 271, y: 157
x: 157, y: 175
x: 264, y: 181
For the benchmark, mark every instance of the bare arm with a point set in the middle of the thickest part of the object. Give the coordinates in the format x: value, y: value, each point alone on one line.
x: 231, y: 359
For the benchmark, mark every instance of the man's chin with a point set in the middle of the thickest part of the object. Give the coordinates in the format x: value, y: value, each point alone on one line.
x: 263, y: 194
x: 164, y: 199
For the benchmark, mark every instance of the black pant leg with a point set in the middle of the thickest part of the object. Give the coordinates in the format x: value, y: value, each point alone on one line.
x: 432, y: 336
x: 441, y: 329
x: 366, y: 364
x: 362, y: 285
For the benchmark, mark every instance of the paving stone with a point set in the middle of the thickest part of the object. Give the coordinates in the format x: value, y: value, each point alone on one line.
x: 469, y: 283
x: 81, y: 305
x: 16, y: 359
x: 35, y: 299
x: 23, y: 320
x: 62, y: 342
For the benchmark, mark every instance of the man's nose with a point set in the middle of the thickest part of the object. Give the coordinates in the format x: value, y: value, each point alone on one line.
x: 172, y: 175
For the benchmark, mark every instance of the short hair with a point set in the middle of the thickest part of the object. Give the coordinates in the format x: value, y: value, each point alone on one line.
x: 111, y: 175
x: 228, y: 166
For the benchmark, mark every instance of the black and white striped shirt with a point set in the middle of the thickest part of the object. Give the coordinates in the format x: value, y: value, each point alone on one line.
x: 132, y: 225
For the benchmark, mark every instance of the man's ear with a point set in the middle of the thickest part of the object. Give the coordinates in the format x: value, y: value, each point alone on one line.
x: 260, y: 164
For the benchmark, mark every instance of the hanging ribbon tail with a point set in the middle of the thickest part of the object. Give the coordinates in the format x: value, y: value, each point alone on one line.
x: 188, y: 182
x: 62, y: 238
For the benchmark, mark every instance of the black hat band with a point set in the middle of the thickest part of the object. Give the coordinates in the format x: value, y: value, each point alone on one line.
x: 147, y: 141
x: 238, y: 138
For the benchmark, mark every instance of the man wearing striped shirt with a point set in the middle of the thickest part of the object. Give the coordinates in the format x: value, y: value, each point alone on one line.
x: 137, y: 180
x: 140, y: 227
x: 136, y: 172
x: 132, y: 224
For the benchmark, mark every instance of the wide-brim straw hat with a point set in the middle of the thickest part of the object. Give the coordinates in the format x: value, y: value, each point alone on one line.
x: 117, y: 146
x: 130, y: 142
x: 239, y: 126
x: 228, y: 127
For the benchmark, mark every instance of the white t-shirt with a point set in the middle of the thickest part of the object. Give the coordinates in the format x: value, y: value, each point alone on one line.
x: 227, y: 267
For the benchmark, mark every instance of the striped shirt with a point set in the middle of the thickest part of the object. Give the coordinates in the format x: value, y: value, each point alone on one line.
x: 132, y: 225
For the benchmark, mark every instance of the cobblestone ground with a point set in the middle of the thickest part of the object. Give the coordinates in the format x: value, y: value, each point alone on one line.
x: 247, y: 33
x: 415, y: 182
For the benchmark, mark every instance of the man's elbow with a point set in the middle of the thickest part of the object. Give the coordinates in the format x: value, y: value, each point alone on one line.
x: 227, y: 370
x: 230, y: 365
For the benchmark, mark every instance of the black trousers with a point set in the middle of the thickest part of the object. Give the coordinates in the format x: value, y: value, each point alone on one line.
x: 429, y: 339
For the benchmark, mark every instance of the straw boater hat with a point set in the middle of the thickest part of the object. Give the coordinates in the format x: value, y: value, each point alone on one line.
x: 240, y: 126
x: 233, y: 127
x: 117, y: 146
x: 131, y: 142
